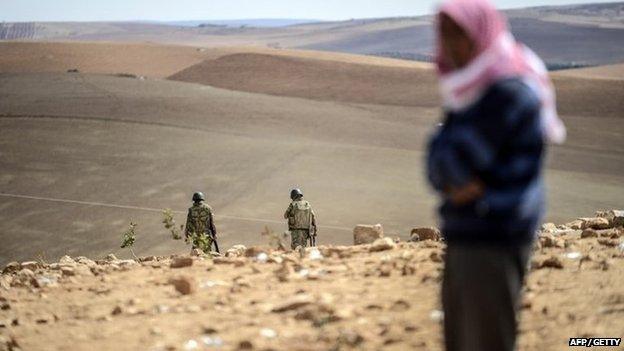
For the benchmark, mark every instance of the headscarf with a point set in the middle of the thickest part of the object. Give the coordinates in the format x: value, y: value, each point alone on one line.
x: 498, y: 56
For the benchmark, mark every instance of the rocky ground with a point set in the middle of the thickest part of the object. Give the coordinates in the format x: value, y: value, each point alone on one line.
x: 376, y: 296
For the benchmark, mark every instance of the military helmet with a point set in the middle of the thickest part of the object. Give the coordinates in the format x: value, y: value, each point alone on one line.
x: 198, y: 196
x: 295, y: 193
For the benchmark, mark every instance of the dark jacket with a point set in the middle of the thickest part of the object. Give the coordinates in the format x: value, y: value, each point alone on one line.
x: 497, y: 140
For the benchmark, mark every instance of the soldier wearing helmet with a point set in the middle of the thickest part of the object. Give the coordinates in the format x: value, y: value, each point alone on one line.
x: 301, y: 220
x: 200, y: 219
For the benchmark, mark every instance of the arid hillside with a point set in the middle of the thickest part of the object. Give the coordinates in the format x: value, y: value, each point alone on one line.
x: 84, y: 153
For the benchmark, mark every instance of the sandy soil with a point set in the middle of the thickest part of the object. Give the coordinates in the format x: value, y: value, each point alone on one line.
x: 156, y: 61
x: 346, y: 298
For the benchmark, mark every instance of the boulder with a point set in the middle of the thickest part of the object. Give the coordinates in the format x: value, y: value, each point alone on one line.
x: 576, y: 224
x: 367, y: 234
x: 185, y: 285
x: 547, y: 262
x: 67, y: 260
x: 85, y: 261
x: 549, y: 240
x: 24, y: 277
x: 426, y: 233
x: 589, y: 233
x: 11, y: 267
x: 236, y: 251
x: 382, y: 244
x: 549, y: 228
x: 615, y: 217
x: 595, y: 223
x: 32, y: 265
x: 180, y: 262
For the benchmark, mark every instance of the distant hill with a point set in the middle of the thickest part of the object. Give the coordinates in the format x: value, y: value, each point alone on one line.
x: 565, y: 36
x: 258, y: 23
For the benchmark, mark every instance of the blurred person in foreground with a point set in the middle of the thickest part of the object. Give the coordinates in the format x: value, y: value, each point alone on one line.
x: 485, y: 160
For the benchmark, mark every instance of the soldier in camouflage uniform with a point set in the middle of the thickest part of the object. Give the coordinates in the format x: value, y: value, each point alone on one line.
x: 301, y: 220
x: 200, y: 219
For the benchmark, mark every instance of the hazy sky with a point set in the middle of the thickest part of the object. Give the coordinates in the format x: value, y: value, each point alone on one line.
x: 119, y: 10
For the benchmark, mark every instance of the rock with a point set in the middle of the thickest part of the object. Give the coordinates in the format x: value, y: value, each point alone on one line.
x: 32, y: 265
x: 245, y: 345
x: 576, y: 224
x: 547, y: 262
x: 617, y: 218
x: 366, y: 234
x: 8, y: 343
x: 549, y: 240
x: 254, y: 251
x: 180, y: 262
x: 595, y: 223
x: 350, y: 338
x: 117, y: 310
x: 6, y: 281
x: 237, y: 262
x: 43, y: 281
x: 68, y: 271
x: 609, y: 242
x: 589, y: 233
x: 11, y: 267
x: 236, y: 251
x: 197, y: 253
x: 184, y: 284
x: 382, y: 244
x: 85, y: 261
x: 427, y: 233
x: 294, y: 303
x: 285, y: 271
x: 67, y: 260
x: 24, y: 277
x: 549, y: 228
x: 436, y: 257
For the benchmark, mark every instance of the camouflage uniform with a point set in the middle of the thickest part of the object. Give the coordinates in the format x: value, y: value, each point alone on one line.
x: 299, y: 232
x: 200, y: 220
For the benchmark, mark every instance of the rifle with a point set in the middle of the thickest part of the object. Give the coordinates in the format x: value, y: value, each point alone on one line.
x: 313, y: 238
x: 216, y: 244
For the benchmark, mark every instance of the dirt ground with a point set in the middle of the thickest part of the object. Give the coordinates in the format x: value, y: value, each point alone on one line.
x: 333, y: 298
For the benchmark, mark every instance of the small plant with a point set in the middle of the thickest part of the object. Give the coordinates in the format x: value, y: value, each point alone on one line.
x: 170, y: 224
x: 128, y: 238
x: 41, y: 258
x: 202, y: 242
x: 274, y: 239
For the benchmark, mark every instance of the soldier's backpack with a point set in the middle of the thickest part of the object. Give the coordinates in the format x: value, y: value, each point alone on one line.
x: 301, y: 216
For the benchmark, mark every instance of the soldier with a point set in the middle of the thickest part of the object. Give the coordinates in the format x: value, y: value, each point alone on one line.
x: 301, y: 220
x: 200, y: 220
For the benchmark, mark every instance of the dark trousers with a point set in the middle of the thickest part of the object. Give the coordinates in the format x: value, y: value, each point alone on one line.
x: 480, y: 296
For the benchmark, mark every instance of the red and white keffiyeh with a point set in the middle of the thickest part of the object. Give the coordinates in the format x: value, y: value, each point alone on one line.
x: 498, y: 56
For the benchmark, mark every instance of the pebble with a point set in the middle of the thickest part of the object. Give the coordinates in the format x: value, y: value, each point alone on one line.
x: 268, y: 333
x: 382, y: 244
